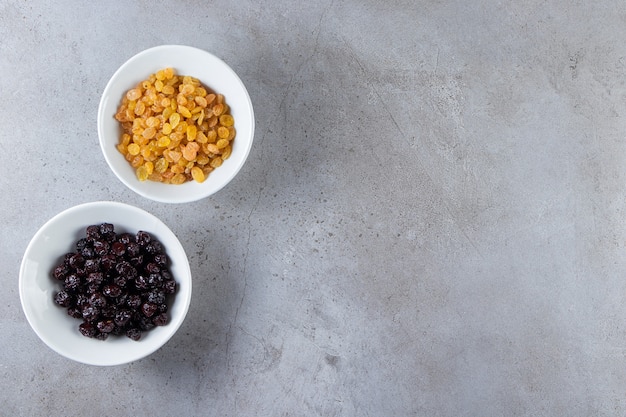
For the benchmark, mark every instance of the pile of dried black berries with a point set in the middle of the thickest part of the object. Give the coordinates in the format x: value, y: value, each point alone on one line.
x: 117, y: 284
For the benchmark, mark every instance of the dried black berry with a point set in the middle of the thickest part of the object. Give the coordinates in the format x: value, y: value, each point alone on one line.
x: 126, y: 270
x: 141, y: 282
x: 92, y: 265
x: 101, y: 247
x: 109, y: 311
x: 160, y: 319
x: 156, y: 297
x: 133, y: 333
x: 137, y: 261
x: 87, y: 329
x: 121, y: 300
x: 133, y: 249
x: 76, y: 261
x: 98, y: 300
x: 81, y: 244
x: 155, y: 280
x: 152, y: 268
x: 101, y: 336
x: 169, y: 287
x: 92, y: 288
x: 117, y: 284
x: 145, y: 323
x: 148, y: 309
x: 88, y: 252
x: 154, y: 247
x: 118, y: 249
x: 90, y: 313
x: 122, y: 317
x: 63, y: 298
x: 160, y: 259
x: 72, y: 283
x: 106, y: 228
x: 60, y: 272
x: 81, y: 301
x: 95, y: 278
x: 93, y: 232
x: 134, y: 301
x: 120, y: 281
x: 74, y: 312
x: 105, y: 326
x: 118, y: 331
x: 111, y: 290
x: 143, y: 238
x: 125, y: 238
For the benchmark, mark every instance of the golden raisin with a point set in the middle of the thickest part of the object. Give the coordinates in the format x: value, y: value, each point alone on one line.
x: 200, y: 101
x: 136, y: 161
x: 140, y: 108
x: 178, y: 179
x: 227, y: 120
x: 222, y: 132
x: 211, y: 136
x: 192, y: 132
x: 216, y: 162
x: 149, y: 133
x: 142, y: 173
x: 149, y: 167
x: 184, y: 111
x: 153, y: 122
x: 163, y: 141
x: 197, y: 174
x: 201, y: 137
x: 226, y: 152
x: 212, y: 148
x: 177, y: 169
x: 174, y: 120
x: 187, y: 89
x: 174, y: 129
x: 190, y: 151
x: 202, y: 159
x: 218, y: 109
x: 133, y: 94
x: 231, y: 133
x: 161, y: 165
x: 133, y: 149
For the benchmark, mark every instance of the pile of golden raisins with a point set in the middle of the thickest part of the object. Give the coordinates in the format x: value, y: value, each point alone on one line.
x: 175, y: 129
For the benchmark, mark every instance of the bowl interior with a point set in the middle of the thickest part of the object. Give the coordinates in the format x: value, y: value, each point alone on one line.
x: 213, y: 73
x: 37, y: 288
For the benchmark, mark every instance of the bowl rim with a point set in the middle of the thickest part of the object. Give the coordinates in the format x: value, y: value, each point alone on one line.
x: 164, y: 197
x: 182, y: 298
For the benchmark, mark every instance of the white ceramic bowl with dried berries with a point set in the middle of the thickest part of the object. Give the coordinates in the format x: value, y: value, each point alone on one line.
x: 217, y: 78
x: 107, y: 291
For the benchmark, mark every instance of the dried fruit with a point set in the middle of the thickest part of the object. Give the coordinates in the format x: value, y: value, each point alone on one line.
x: 197, y: 174
x: 173, y: 124
x: 115, y: 297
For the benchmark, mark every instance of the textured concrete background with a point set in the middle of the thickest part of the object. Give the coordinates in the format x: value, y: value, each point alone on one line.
x: 430, y: 223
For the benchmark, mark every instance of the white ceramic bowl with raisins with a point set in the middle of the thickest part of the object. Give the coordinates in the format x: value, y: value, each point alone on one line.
x: 105, y: 283
x: 208, y: 163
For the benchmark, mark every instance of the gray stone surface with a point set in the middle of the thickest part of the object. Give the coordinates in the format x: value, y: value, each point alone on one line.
x: 430, y: 222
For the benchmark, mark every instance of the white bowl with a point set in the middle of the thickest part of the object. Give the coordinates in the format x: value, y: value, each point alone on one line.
x: 37, y: 287
x: 213, y: 73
